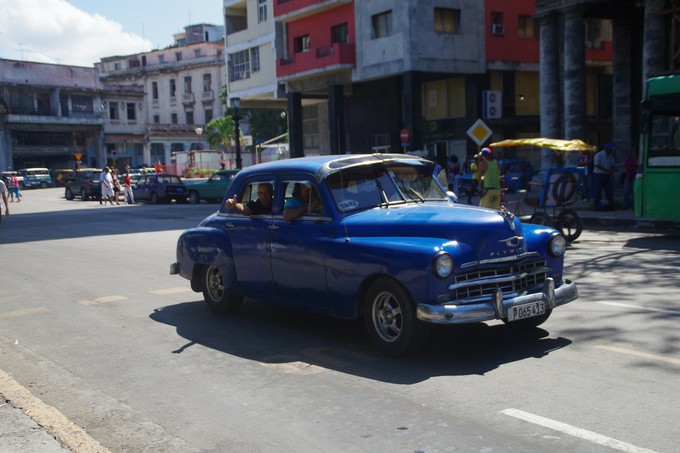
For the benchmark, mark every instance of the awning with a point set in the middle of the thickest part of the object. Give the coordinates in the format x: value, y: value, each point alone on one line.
x: 555, y: 144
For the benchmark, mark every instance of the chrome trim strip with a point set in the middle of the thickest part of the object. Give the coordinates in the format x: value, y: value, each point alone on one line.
x: 499, y: 260
x: 498, y: 279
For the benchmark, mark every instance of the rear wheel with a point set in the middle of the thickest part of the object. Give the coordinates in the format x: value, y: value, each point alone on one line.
x: 154, y: 198
x: 83, y: 195
x: 215, y: 295
x: 43, y: 185
x: 194, y: 197
x: 570, y: 224
x: 68, y: 194
x: 390, y: 317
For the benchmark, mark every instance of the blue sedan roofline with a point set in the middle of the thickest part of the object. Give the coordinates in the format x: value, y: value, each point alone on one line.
x: 322, y: 166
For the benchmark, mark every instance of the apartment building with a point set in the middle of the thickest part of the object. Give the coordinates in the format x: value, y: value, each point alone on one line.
x: 54, y: 115
x: 181, y: 85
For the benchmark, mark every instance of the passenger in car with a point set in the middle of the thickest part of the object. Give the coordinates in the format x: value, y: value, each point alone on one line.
x: 263, y: 204
x: 300, y: 203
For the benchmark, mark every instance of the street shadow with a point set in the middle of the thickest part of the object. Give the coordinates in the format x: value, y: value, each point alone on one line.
x: 275, y: 335
x: 95, y: 220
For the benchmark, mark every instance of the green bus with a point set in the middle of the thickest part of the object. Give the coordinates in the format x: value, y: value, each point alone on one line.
x: 657, y: 186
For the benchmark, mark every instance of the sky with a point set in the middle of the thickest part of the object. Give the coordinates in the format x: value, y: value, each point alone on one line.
x: 82, y: 32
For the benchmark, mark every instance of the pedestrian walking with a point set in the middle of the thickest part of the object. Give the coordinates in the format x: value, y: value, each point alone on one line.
x: 127, y: 187
x: 453, y: 174
x: 603, y: 171
x: 106, y: 184
x: 490, y: 175
x: 13, y: 185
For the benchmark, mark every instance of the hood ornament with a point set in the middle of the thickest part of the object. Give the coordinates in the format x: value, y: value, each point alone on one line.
x: 513, y: 241
x: 509, y: 218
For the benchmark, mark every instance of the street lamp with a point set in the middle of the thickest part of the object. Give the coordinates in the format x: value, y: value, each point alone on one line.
x: 236, y: 104
x: 199, y: 132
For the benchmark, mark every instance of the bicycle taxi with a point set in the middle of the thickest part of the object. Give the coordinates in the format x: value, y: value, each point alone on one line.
x: 560, y: 188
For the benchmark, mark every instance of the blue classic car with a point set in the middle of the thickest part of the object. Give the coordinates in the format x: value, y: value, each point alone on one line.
x: 377, y: 237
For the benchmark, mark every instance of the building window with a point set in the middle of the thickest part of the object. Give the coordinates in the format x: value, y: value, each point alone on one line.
x: 173, y: 118
x: 117, y: 66
x: 178, y: 56
x: 497, y: 27
x: 197, y: 53
x: 187, y: 85
x: 190, y: 117
x: 310, y: 127
x: 339, y: 34
x: 173, y: 88
x: 382, y: 24
x: 261, y: 10
x: 302, y: 44
x: 239, y: 65
x: 113, y: 111
x: 156, y: 119
x: 527, y: 28
x: 207, y: 82
x: 154, y: 90
x: 131, y: 112
x: 208, y: 116
x: 446, y: 20
x: 161, y: 59
x: 255, y: 59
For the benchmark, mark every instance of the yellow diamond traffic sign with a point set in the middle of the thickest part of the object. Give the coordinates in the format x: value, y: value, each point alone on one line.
x: 479, y: 132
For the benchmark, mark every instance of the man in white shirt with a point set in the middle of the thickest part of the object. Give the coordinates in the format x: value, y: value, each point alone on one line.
x: 106, y: 185
x: 603, y: 177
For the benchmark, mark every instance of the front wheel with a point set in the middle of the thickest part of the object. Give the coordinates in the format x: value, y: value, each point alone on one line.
x: 570, y: 223
x: 68, y: 194
x: 215, y: 295
x: 540, y: 218
x: 83, y: 195
x: 390, y: 317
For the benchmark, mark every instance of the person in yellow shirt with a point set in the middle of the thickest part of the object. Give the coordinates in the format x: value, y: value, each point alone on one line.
x: 490, y: 175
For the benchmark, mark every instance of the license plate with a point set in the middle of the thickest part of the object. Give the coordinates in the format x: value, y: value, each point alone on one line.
x: 526, y: 311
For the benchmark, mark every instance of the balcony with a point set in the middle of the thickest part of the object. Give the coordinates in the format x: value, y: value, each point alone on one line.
x: 188, y: 98
x: 317, y: 60
x: 288, y: 10
x: 208, y: 96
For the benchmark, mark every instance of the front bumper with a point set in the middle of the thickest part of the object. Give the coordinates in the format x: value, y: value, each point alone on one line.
x: 497, y: 307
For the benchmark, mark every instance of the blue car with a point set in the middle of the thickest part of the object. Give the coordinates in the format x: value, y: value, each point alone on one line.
x: 376, y: 237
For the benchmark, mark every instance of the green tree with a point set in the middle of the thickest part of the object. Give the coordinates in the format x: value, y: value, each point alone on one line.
x: 220, y: 131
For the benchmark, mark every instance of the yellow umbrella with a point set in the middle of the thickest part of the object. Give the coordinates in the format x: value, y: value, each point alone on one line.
x: 550, y: 143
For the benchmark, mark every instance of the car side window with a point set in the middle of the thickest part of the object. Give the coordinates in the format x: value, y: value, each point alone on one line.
x: 298, y: 193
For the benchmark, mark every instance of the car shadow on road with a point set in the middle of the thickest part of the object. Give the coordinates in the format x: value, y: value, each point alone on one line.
x: 273, y: 335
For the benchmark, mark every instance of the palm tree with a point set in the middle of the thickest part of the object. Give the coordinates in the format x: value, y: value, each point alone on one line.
x: 220, y: 132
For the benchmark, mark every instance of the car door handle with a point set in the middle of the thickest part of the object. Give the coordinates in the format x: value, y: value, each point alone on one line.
x: 229, y: 225
x: 273, y: 227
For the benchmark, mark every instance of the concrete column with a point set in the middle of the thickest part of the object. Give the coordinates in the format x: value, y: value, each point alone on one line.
x: 336, y: 119
x: 574, y: 79
x: 549, y: 84
x: 295, y: 137
x: 655, y: 42
x: 621, y: 86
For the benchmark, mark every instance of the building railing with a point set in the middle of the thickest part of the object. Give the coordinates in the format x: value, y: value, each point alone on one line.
x: 339, y: 54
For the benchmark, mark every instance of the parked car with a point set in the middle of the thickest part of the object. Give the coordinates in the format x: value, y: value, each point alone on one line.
x: 31, y: 175
x: 383, y: 242
x: 211, y: 189
x: 85, y: 184
x: 160, y: 188
x: 61, y: 176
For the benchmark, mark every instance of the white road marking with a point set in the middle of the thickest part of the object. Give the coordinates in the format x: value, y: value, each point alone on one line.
x: 644, y: 355
x: 575, y: 432
x: 24, y: 312
x: 102, y: 300
x: 640, y: 307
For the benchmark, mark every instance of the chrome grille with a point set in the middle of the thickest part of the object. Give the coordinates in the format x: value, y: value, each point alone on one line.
x: 514, y: 278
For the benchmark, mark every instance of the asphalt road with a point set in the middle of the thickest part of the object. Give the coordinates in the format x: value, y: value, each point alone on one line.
x: 92, y: 324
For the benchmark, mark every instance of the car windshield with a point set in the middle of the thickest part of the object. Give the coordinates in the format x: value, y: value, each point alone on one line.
x: 383, y: 185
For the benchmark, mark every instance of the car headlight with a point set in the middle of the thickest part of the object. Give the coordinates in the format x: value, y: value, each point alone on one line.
x: 443, y: 265
x: 557, y: 245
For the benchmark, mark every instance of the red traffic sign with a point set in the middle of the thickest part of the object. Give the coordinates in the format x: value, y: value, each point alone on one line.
x: 404, y: 135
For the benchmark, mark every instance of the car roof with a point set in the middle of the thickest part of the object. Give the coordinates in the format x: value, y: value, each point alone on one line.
x: 322, y: 166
